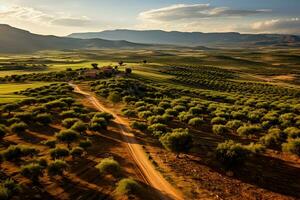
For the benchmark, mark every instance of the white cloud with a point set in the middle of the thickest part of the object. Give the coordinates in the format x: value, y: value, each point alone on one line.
x: 194, y: 11
x: 36, y: 16
x: 287, y: 26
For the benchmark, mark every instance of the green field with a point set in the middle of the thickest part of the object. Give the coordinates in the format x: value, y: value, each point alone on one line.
x: 259, y: 63
x: 7, y: 90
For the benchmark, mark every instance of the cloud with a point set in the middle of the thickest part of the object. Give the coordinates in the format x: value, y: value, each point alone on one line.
x: 84, y: 21
x: 32, y: 15
x: 23, y: 13
x: 287, y: 26
x: 194, y: 11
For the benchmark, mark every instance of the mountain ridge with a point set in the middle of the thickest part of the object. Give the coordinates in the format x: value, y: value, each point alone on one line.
x: 214, y: 39
x: 14, y: 40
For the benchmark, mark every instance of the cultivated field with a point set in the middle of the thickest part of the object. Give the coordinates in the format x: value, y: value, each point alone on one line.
x: 150, y: 124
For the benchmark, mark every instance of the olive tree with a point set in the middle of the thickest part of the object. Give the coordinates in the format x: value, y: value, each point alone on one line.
x: 67, y: 136
x: 177, y: 141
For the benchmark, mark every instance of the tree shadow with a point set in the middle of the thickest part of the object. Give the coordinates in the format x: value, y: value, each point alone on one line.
x: 42, y: 129
x: 30, y: 138
x: 260, y: 170
x: 76, y: 191
x: 137, y: 137
x: 152, y: 193
x: 271, y: 173
x: 86, y: 171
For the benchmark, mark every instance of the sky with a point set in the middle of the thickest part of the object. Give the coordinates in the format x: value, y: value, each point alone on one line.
x: 63, y: 17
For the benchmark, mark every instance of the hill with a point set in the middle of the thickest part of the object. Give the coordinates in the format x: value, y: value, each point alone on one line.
x: 13, y: 40
x: 230, y: 39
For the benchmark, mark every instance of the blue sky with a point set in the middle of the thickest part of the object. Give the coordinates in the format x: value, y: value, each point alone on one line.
x: 61, y: 17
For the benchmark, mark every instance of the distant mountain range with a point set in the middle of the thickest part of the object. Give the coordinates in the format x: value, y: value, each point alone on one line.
x: 230, y: 39
x: 13, y: 40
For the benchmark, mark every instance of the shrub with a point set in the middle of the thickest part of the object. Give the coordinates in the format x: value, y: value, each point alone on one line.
x: 18, y: 127
x: 13, y: 152
x: 274, y: 138
x: 172, y: 112
x: 59, y: 152
x: 141, y: 108
x: 128, y: 99
x: 254, y: 116
x: 219, y: 129
x: 44, y: 118
x: 167, y: 117
x: 79, y: 127
x: 4, y: 193
x: 77, y: 152
x: 69, y: 122
x: 9, y: 107
x: 105, y: 115
x: 13, y: 120
x: 98, y: 124
x: 69, y: 101
x: 196, y: 121
x: 234, y: 124
x: 179, y: 140
x: 248, y: 130
x: 145, y: 114
x: 32, y: 171
x: 8, y: 189
x: 238, y: 115
x: 287, y: 118
x: 67, y: 136
x: 195, y: 110
x: 139, y: 125
x: 158, y: 110
x: 128, y: 186
x: 24, y: 116
x: 55, y: 104
x: 218, y: 120
x: 266, y: 125
x: 129, y: 113
x: 255, y: 147
x: 2, y: 131
x: 50, y: 143
x: 39, y: 109
x: 85, y: 144
x: 158, y: 129
x: 42, y: 162
x: 29, y: 151
x: 139, y: 103
x: 231, y: 153
x: 292, y: 146
x: 292, y: 132
x: 179, y: 108
x: 114, y: 97
x: 156, y: 119
x: 69, y: 114
x: 57, y: 167
x: 185, y: 116
x: 109, y: 165
x: 164, y: 105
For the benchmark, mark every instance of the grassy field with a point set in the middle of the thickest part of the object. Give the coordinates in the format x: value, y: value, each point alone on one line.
x: 273, y: 62
x: 7, y: 90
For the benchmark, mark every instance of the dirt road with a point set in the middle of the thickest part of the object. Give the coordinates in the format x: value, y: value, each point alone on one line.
x: 150, y: 175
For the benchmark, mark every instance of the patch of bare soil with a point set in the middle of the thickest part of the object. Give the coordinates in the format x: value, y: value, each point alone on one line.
x: 271, y: 176
x: 288, y: 77
x: 82, y: 180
